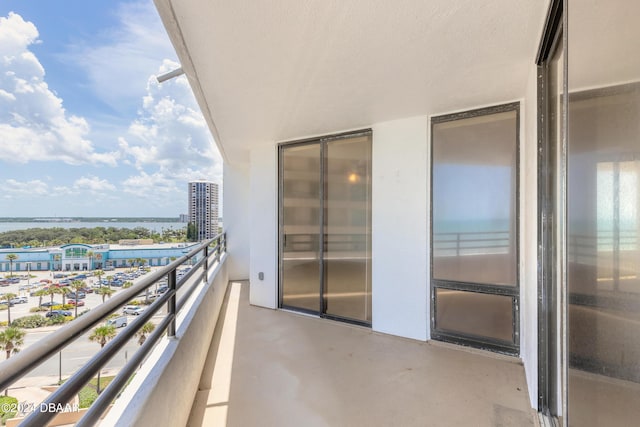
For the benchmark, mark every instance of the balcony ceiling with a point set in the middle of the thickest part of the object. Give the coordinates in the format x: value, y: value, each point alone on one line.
x: 267, y: 71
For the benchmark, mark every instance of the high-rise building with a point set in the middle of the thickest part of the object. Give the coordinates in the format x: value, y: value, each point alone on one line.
x: 203, y: 208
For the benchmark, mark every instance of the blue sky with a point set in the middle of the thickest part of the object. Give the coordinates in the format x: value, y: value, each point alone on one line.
x: 85, y: 129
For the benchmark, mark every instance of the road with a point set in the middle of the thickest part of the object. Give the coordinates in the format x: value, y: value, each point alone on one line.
x: 81, y: 350
x: 76, y: 355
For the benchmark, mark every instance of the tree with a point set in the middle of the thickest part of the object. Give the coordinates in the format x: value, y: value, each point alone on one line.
x: 99, y: 273
x: 52, y: 291
x: 40, y: 293
x: 11, y: 258
x: 102, y: 335
x: 77, y: 285
x: 11, y: 339
x: 64, y: 291
x: 105, y: 292
x: 109, y: 280
x: 192, y: 232
x: 90, y: 255
x: 8, y: 297
x: 142, y: 333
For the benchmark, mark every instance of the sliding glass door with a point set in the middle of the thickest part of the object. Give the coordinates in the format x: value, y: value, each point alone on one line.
x: 603, y: 214
x: 325, y: 227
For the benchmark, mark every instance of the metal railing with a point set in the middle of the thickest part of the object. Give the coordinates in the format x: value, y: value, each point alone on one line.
x: 472, y: 243
x: 207, y: 255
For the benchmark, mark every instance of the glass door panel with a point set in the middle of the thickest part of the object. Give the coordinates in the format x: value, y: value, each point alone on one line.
x: 347, y: 228
x: 603, y: 214
x: 300, y: 227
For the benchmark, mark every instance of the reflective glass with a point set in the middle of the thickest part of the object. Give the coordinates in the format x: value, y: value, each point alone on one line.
x: 475, y: 314
x: 474, y: 199
x: 347, y: 256
x: 603, y: 222
x: 300, y: 245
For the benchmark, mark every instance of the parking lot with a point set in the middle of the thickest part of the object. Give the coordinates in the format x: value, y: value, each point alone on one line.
x: 25, y: 288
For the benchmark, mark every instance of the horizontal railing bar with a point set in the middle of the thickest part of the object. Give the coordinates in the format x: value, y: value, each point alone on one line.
x: 18, y: 366
x: 115, y: 386
x: 183, y: 298
x: 69, y: 389
x: 190, y: 273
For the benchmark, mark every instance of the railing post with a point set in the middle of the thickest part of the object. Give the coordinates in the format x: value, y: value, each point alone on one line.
x: 206, y: 264
x: 171, y: 304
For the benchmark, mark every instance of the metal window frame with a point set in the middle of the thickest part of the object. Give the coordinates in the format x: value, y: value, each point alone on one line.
x: 322, y: 142
x: 551, y: 185
x: 484, y: 343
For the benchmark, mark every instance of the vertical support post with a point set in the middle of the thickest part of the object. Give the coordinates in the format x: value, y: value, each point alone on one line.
x: 205, y: 266
x: 171, y: 304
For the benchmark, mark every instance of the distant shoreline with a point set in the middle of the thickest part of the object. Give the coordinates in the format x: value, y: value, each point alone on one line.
x: 108, y: 220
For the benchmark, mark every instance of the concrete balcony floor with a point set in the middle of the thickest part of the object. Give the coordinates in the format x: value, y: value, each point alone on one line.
x: 275, y: 368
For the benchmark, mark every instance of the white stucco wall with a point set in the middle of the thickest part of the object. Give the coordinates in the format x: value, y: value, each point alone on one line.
x: 399, y: 225
x: 264, y: 226
x: 236, y: 219
x: 529, y: 236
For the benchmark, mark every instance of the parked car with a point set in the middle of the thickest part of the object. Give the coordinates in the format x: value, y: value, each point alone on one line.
x: 133, y: 310
x: 57, y: 313
x: 50, y: 304
x: 162, y: 289
x: 77, y: 302
x: 59, y: 276
x: 20, y: 300
x: 86, y: 290
x: 4, y: 302
x: 72, y: 295
x: 118, y: 322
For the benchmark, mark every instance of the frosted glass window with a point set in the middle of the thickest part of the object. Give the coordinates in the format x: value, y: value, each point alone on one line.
x: 474, y: 199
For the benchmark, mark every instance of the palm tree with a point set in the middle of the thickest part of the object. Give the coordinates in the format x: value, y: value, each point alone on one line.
x: 51, y: 291
x: 109, y: 279
x: 105, y: 292
x: 8, y: 297
x: 142, y: 333
x: 11, y: 339
x: 76, y: 285
x: 64, y: 291
x: 102, y: 335
x: 40, y: 293
x: 99, y: 273
x: 11, y: 258
x: 90, y: 255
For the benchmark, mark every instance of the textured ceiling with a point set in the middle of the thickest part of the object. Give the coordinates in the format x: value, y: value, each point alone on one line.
x: 274, y: 70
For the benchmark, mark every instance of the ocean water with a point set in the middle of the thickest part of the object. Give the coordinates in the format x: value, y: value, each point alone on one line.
x: 157, y: 227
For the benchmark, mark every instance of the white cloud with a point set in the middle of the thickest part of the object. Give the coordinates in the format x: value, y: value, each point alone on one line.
x: 118, y: 67
x: 14, y: 188
x: 34, y: 126
x: 171, y: 136
x: 93, y: 184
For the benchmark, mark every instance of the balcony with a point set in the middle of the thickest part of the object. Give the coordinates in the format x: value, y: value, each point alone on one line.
x: 292, y: 369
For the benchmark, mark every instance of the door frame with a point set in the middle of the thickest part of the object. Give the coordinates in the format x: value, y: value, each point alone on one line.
x: 322, y: 142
